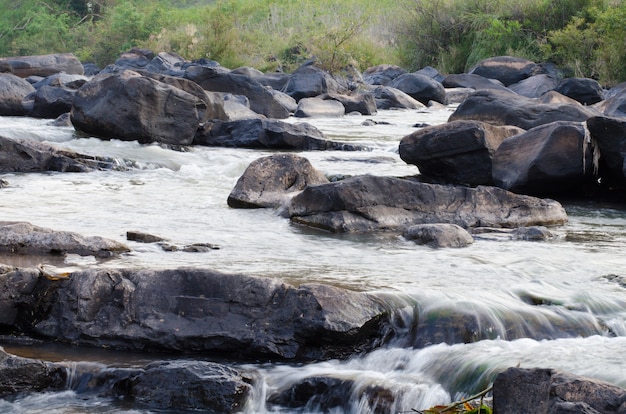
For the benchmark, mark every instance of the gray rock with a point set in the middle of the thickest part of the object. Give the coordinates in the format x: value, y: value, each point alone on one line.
x: 420, y: 87
x: 535, y: 86
x: 23, y: 375
x: 609, y: 137
x: 25, y: 238
x: 506, y: 69
x: 13, y: 90
x: 370, y: 203
x: 309, y: 81
x: 476, y: 82
x: 458, y: 152
x: 41, y: 65
x: 391, y: 98
x: 584, y: 90
x: 318, y: 107
x: 439, y: 235
x: 361, y: 102
x: 532, y: 233
x: 51, y: 101
x: 382, y: 74
x: 272, y: 181
x: 615, y: 104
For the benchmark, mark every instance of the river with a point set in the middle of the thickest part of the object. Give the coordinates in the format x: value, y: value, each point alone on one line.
x: 515, y: 289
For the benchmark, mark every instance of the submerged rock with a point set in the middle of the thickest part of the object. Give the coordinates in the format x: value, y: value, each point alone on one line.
x: 23, y: 375
x: 439, y: 235
x: 370, y: 203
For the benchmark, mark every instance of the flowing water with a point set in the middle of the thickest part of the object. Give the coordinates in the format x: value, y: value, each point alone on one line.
x: 556, y: 304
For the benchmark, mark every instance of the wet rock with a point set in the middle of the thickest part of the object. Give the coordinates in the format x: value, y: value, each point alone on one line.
x: 13, y: 90
x: 18, y: 155
x: 507, y: 108
x: 129, y: 106
x: 267, y: 134
x: 370, y: 203
x: 272, y: 181
x: 550, y: 391
x: 200, y: 248
x: 309, y: 81
x: 318, y: 107
x: 190, y: 385
x: 420, y: 87
x: 609, y: 135
x: 584, y: 90
x: 457, y: 152
x: 392, y: 98
x: 506, y: 69
x: 547, y: 160
x: 532, y: 233
x: 142, y: 237
x: 22, y: 375
x: 199, y: 310
x: 62, y: 120
x: 323, y: 393
x: 41, y: 65
x: 382, y: 74
x: 25, y: 238
x: 439, y: 235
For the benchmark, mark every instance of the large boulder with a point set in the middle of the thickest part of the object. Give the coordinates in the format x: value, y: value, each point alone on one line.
x: 13, y: 90
x: 507, y: 108
x: 271, y: 181
x: 361, y: 102
x: 550, y: 159
x: 319, y: 108
x: 506, y: 69
x: 267, y: 134
x: 609, y: 138
x: 392, y: 98
x: 276, y: 80
x: 129, y: 106
x: 615, y: 103
x: 310, y: 81
x: 420, y: 87
x: 41, y: 65
x: 382, y: 74
x: 584, y: 90
x: 457, y: 152
x: 262, y: 99
x: 370, y: 203
x: 23, y: 375
x: 535, y: 86
x: 50, y: 101
x: 26, y: 239
x: 202, y: 311
x: 476, y: 82
x: 549, y: 391
x: 21, y: 155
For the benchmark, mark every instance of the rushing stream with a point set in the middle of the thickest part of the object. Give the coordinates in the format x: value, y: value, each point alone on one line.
x: 560, y: 303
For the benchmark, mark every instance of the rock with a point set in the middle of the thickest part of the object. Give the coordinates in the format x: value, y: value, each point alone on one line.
x: 268, y: 134
x: 507, y: 108
x: 51, y: 101
x: 310, y: 81
x: 271, y: 181
x: 262, y: 100
x: 17, y: 155
x: 615, y: 104
x: 584, y: 90
x: 608, y: 135
x: 532, y: 233
x: 22, y: 375
x: 25, y: 238
x: 506, y: 69
x: 392, y: 98
x: 17, y: 289
x: 62, y: 80
x: 550, y: 391
x: 439, y: 235
x: 476, y: 82
x: 431, y: 72
x: 62, y: 120
x: 547, y: 160
x: 458, y: 95
x: 535, y: 86
x: 319, y: 108
x: 134, y: 59
x: 166, y: 63
x: 237, y: 108
x: 42, y: 65
x: 457, y: 152
x: 276, y: 81
x: 142, y: 237
x: 370, y: 203
x: 204, y: 311
x: 323, y: 392
x: 361, y: 102
x: 129, y: 106
x: 13, y: 90
x: 420, y: 87
x: 382, y: 74
x: 190, y: 385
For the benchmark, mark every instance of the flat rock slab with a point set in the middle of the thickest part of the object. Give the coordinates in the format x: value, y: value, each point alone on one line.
x: 369, y: 203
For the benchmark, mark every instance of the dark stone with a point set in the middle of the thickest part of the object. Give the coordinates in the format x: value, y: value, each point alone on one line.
x: 62, y: 80
x: 476, y: 82
x: 362, y: 102
x: 190, y: 385
x: 439, y: 235
x: 382, y: 74
x: 547, y: 160
x: 370, y: 203
x: 615, y: 103
x: 42, y: 65
x: 129, y: 106
x: 142, y: 237
x: 392, y: 98
x: 506, y: 69
x: 584, y: 90
x: 13, y: 90
x: 508, y: 108
x: 457, y: 152
x: 24, y: 238
x: 420, y: 87
x: 532, y: 233
x: 51, y: 101
x: 276, y: 80
x: 535, y: 86
x: 609, y: 137
x: 272, y: 181
x: 267, y: 134
x: 22, y: 375
x: 310, y: 81
x: 323, y: 393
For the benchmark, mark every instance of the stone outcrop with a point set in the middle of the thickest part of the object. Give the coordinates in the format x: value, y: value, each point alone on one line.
x: 272, y: 181
x: 370, y: 203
